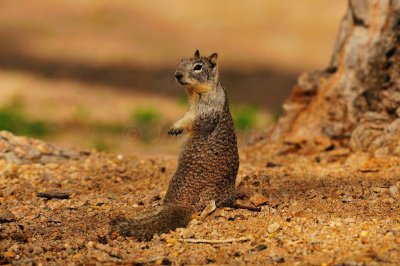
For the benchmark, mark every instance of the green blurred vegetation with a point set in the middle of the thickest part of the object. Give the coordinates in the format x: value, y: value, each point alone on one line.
x: 145, y: 115
x: 82, y: 118
x: 183, y: 100
x: 244, y: 117
x: 146, y: 118
x: 81, y: 114
x: 14, y: 119
x: 148, y: 121
x: 100, y: 144
x: 276, y: 115
x: 100, y: 135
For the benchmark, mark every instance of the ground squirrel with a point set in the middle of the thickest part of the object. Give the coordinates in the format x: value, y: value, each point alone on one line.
x: 209, y: 160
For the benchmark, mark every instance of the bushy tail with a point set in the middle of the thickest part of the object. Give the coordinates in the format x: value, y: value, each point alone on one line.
x: 168, y: 218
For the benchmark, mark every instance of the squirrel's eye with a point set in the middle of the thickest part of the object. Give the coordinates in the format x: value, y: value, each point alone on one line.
x: 197, y: 67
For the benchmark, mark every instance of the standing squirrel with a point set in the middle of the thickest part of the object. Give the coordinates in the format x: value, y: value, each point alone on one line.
x: 209, y: 161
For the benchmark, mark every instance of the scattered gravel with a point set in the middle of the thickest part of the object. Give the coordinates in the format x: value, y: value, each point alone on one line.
x: 317, y: 212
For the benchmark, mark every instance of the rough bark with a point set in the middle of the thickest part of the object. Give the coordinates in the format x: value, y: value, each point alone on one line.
x: 357, y: 98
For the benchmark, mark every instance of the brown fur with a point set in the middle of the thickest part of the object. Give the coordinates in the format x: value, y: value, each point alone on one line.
x: 209, y: 161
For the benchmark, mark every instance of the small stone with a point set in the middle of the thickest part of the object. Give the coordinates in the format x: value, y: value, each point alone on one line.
x: 54, y: 194
x: 237, y: 254
x: 90, y: 244
x: 171, y: 240
x: 100, y: 239
x: 295, y: 208
x: 241, y: 228
x: 210, y: 208
x: 274, y: 227
x: 258, y: 200
x: 349, y: 220
x: 272, y: 165
x: 210, y: 260
x: 377, y: 189
x: 156, y: 197
x: 278, y: 259
x: 9, y: 254
x: 323, y: 142
x: 394, y: 191
x: 193, y: 222
x: 259, y: 248
x: 364, y: 234
x: 347, y: 198
x: 163, y: 261
x: 188, y: 233
x: 7, y: 217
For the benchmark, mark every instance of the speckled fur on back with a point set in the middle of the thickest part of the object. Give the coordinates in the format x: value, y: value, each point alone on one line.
x: 209, y: 160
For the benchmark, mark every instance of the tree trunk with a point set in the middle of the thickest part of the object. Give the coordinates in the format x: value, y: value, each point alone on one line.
x: 356, y: 100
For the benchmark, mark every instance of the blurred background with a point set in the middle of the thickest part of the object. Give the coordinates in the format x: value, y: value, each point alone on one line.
x: 96, y: 74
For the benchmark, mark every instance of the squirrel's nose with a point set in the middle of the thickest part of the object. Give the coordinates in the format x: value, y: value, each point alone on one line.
x: 178, y: 75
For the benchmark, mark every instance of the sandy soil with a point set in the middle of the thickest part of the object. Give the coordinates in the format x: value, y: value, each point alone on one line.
x: 320, y: 207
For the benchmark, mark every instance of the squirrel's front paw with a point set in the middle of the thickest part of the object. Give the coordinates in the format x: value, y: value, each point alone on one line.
x: 175, y: 131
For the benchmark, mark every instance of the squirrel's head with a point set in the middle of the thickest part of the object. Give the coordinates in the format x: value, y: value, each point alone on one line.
x: 198, y: 73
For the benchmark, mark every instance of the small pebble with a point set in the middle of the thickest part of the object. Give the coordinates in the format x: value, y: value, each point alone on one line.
x: 9, y: 254
x: 278, y: 259
x: 187, y: 233
x: 347, y: 198
x: 54, y: 194
x: 210, y: 208
x: 272, y: 228
x: 272, y: 165
x: 258, y: 200
x: 259, y: 247
x: 171, y: 240
x: 394, y: 191
x: 163, y: 261
x: 7, y: 217
x: 210, y: 260
x: 90, y: 244
x: 349, y: 220
x: 100, y: 239
x: 364, y: 234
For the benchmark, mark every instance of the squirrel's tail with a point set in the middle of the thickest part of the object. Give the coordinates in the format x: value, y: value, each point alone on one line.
x: 168, y: 218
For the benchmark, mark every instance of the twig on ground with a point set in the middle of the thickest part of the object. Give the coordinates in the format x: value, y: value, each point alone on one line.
x: 215, y: 241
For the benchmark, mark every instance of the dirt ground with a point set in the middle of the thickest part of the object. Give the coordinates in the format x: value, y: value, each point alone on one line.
x: 323, y: 206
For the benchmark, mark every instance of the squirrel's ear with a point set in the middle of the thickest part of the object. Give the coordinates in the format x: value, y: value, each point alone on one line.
x: 213, y: 59
x: 197, y: 54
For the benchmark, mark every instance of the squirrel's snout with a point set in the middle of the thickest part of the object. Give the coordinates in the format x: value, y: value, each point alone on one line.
x: 178, y: 75
x: 179, y: 78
